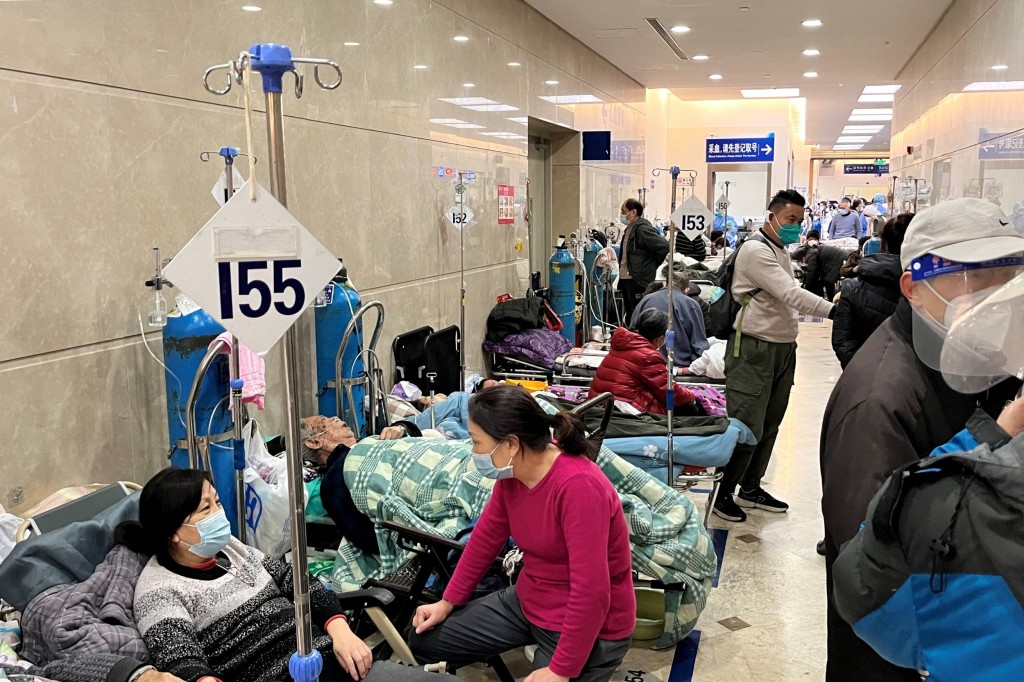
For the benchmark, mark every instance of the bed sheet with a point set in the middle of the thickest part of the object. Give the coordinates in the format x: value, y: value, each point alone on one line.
x: 650, y: 453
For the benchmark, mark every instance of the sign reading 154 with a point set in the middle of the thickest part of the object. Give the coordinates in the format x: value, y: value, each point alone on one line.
x: 249, y: 278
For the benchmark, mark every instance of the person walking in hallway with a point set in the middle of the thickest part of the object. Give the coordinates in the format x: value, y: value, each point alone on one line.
x: 760, y: 358
x: 643, y: 250
x: 845, y: 223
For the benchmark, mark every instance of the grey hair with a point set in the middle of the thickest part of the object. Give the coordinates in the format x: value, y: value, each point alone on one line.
x: 305, y: 433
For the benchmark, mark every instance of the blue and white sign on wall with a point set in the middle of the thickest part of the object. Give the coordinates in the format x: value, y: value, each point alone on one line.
x: 1005, y: 147
x: 740, y: 149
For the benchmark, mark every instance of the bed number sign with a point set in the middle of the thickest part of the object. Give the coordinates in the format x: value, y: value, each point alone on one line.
x: 639, y: 676
x: 254, y: 268
x: 460, y: 217
x: 693, y: 218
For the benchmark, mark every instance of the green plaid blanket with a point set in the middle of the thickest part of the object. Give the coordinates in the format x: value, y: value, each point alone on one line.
x: 433, y: 485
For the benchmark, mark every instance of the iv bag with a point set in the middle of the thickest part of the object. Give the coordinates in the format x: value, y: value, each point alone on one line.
x: 986, y: 345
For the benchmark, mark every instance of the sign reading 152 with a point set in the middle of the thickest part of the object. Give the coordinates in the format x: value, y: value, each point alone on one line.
x: 285, y: 294
x: 458, y: 218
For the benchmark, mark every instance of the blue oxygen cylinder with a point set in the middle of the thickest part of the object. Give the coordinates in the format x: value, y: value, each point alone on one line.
x: 562, y: 285
x: 595, y: 288
x: 186, y: 339
x: 342, y: 302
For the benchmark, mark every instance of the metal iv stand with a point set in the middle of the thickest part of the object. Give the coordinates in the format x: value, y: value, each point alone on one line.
x: 272, y: 62
x: 460, y: 192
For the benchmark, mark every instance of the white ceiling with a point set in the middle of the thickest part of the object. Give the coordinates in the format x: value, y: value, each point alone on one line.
x: 862, y: 42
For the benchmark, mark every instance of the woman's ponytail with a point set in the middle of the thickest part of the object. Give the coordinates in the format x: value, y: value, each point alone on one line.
x: 571, y: 435
x: 132, y: 535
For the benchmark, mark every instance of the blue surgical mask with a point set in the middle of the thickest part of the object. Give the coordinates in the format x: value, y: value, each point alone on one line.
x: 624, y: 219
x: 844, y: 211
x: 486, y: 467
x: 214, y: 535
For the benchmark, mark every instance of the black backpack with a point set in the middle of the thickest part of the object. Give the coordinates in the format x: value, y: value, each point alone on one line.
x: 723, y: 312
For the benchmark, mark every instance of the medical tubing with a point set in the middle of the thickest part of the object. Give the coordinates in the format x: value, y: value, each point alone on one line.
x: 209, y: 424
x: 245, y: 61
x: 142, y: 332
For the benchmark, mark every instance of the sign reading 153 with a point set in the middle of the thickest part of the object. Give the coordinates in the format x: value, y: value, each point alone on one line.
x: 286, y: 294
x: 693, y: 222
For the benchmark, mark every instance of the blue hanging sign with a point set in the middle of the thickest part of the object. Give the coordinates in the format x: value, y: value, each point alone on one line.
x: 865, y: 169
x: 740, y: 149
x: 993, y: 146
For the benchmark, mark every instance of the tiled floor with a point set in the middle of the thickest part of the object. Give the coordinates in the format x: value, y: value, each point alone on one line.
x: 766, y: 618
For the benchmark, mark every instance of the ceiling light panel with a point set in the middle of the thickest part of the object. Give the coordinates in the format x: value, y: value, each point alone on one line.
x: 994, y: 86
x: 466, y: 125
x: 871, y: 112
x: 812, y: 23
x: 519, y: 119
x: 700, y: 57
x: 811, y: 52
x: 875, y: 99
x: 810, y: 74
x: 770, y: 93
x: 868, y: 118
x: 715, y: 77
x: 680, y: 28
x: 882, y: 89
x: 847, y: 147
x: 862, y: 129
x: 853, y: 139
x: 573, y: 99
x: 491, y: 107
x: 467, y: 101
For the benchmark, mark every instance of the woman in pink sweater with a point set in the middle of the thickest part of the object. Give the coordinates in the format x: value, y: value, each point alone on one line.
x: 574, y: 597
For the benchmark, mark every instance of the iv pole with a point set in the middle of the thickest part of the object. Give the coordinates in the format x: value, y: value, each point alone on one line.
x: 670, y: 335
x: 460, y: 191
x: 237, y: 384
x: 272, y: 62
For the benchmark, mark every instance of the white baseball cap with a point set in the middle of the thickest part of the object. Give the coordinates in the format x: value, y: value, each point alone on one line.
x: 961, y: 230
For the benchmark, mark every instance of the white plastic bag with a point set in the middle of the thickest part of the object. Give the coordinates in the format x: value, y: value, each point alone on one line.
x: 267, y: 507
x: 257, y: 457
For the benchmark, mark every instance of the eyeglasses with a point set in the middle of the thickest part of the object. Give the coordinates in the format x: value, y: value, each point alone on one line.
x: 327, y: 424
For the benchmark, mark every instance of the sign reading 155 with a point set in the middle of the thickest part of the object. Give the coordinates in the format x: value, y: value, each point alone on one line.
x: 251, y: 280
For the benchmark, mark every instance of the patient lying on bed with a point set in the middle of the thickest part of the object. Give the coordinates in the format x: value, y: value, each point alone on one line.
x: 634, y: 371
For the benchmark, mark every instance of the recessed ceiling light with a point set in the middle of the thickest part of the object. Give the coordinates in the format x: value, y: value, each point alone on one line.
x: 871, y: 112
x: 573, y: 99
x: 810, y: 74
x: 460, y: 39
x: 867, y: 118
x: 1000, y: 67
x: 383, y: 2
x: 847, y: 147
x: 513, y: 64
x: 868, y: 99
x: 469, y: 85
x: 680, y: 29
x: 492, y: 107
x: 419, y: 66
x: 744, y: 9
x: 715, y: 77
x: 769, y: 93
x: 881, y: 89
x: 446, y: 121
x: 850, y: 130
x: 466, y: 101
x: 812, y: 23
x: 699, y: 57
x: 351, y: 43
x: 847, y: 139
x: 994, y: 86
x: 811, y: 52
x: 251, y: 8
x: 550, y: 82
x: 519, y: 119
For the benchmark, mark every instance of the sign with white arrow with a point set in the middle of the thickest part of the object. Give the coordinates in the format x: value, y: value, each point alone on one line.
x: 740, y: 149
x: 254, y: 268
x: 692, y: 218
x: 995, y: 145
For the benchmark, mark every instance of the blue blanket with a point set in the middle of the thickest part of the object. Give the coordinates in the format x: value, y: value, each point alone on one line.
x: 650, y: 453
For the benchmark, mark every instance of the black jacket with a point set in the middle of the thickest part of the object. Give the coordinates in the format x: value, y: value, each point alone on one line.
x: 866, y: 302
x: 822, y: 264
x: 337, y: 501
x: 647, y: 251
x: 887, y: 409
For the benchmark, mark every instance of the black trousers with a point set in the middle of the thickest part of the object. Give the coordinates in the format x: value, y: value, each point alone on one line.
x: 850, y: 659
x: 631, y: 295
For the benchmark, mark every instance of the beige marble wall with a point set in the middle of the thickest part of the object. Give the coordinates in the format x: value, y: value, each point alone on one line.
x: 103, y: 116
x: 951, y: 98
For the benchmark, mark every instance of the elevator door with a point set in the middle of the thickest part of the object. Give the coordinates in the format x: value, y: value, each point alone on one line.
x: 539, y: 168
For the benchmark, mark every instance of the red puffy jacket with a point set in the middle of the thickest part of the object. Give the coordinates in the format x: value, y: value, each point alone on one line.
x: 634, y: 372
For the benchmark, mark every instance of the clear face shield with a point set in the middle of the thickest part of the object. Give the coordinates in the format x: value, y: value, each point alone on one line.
x: 959, y: 327
x: 986, y: 344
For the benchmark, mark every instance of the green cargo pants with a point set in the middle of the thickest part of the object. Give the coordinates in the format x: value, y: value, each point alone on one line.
x: 757, y: 387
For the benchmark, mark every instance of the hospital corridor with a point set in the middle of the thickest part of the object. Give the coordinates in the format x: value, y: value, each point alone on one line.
x: 511, y: 341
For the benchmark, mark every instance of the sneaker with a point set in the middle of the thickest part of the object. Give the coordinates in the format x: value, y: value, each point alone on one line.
x: 725, y: 508
x: 758, y: 498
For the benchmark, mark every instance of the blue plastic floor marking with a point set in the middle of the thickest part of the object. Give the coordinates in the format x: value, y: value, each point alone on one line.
x: 685, y: 658
x: 719, y: 536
